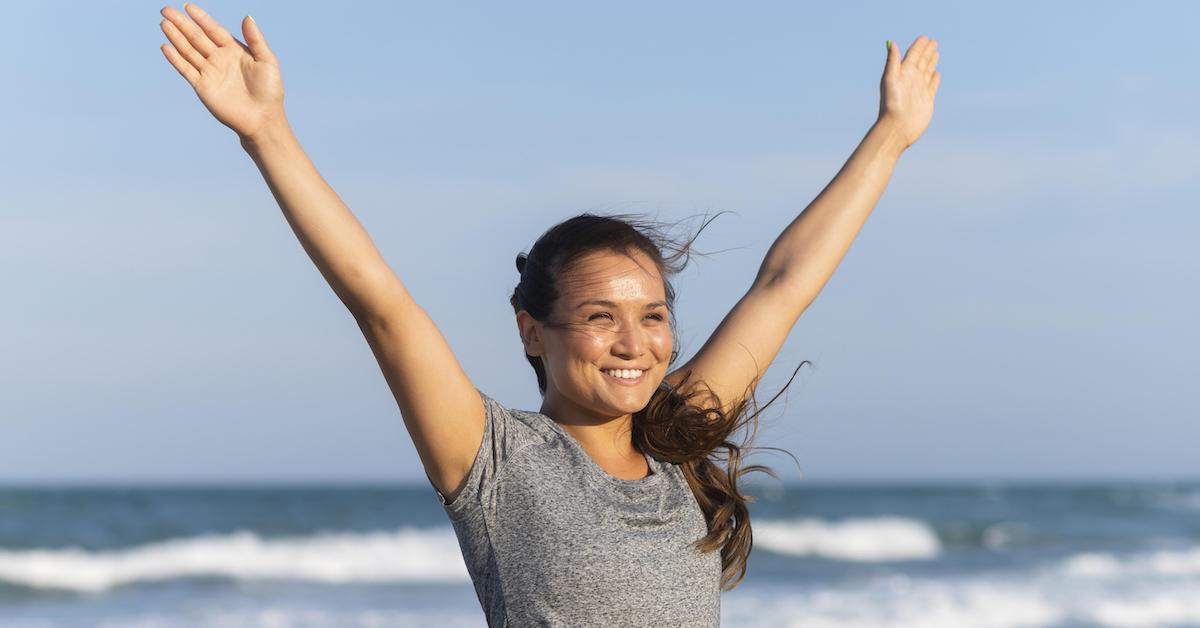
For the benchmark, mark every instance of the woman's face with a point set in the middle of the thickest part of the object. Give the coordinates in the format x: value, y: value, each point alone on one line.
x: 612, y: 316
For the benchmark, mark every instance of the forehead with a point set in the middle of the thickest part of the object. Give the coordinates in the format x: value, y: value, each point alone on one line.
x: 613, y: 276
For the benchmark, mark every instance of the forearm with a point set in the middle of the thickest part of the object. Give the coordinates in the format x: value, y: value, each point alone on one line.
x: 333, y: 238
x: 805, y: 255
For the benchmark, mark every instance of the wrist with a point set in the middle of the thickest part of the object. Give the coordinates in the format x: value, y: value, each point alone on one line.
x: 274, y: 133
x: 890, y: 135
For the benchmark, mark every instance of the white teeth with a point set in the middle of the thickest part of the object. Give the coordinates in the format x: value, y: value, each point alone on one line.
x: 625, y: 373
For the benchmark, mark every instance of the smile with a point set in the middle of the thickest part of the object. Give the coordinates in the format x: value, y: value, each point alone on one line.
x: 624, y: 376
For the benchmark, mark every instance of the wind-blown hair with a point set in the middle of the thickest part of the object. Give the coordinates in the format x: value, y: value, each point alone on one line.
x: 685, y: 424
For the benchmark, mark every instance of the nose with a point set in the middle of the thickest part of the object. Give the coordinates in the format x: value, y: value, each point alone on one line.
x: 630, y: 343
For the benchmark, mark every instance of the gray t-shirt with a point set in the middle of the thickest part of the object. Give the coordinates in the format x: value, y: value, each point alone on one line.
x: 551, y: 539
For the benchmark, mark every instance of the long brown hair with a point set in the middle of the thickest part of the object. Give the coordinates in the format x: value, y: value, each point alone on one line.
x: 684, y: 424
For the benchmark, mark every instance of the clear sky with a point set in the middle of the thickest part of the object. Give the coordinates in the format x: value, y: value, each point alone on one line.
x: 1022, y: 303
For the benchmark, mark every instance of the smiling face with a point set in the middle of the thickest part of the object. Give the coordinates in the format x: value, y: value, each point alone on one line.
x: 610, y: 321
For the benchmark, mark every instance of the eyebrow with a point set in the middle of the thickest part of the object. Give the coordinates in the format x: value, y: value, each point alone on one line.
x: 607, y: 303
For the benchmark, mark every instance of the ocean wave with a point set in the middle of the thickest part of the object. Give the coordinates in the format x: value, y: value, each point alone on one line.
x: 277, y: 616
x: 873, y: 539
x: 405, y: 555
x: 408, y: 554
x: 1043, y: 598
x: 1146, y: 589
x: 897, y: 601
x: 1157, y: 563
x: 1150, y: 589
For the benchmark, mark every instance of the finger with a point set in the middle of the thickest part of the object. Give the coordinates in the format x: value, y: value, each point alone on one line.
x: 933, y: 59
x: 893, y: 57
x: 914, y: 51
x: 185, y: 69
x: 922, y: 56
x: 256, y: 41
x: 182, y: 44
x: 198, y: 39
x: 925, y: 60
x: 937, y: 80
x: 212, y: 28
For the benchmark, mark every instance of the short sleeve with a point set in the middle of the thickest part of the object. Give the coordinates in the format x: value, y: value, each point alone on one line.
x: 488, y: 460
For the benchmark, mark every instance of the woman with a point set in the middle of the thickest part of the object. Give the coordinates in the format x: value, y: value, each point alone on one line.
x: 602, y: 508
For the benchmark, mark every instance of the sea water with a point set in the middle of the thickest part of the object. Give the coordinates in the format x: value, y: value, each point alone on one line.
x: 836, y: 556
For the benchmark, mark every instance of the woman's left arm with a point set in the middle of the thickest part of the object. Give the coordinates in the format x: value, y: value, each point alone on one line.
x: 805, y: 255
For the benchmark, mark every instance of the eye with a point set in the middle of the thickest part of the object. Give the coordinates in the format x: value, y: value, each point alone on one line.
x: 657, y: 317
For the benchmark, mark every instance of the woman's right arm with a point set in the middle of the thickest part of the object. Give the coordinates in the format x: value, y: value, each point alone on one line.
x: 240, y: 84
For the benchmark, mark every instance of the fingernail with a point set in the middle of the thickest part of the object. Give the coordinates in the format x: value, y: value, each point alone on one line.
x: 889, y: 44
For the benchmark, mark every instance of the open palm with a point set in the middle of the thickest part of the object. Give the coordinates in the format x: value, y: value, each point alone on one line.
x: 908, y: 87
x: 240, y: 84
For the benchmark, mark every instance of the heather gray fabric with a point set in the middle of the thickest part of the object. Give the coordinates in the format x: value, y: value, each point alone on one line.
x: 551, y: 539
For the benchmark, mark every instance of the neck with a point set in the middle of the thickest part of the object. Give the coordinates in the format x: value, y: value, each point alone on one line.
x: 608, y: 436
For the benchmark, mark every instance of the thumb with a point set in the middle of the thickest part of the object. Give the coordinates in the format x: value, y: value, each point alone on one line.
x: 893, y: 57
x: 256, y: 41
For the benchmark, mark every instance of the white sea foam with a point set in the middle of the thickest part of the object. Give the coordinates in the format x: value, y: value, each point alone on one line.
x: 871, y: 539
x: 1049, y: 596
x: 270, y: 616
x: 1158, y: 563
x: 896, y: 601
x: 1149, y: 589
x: 1039, y: 598
x: 273, y: 617
x: 1151, y: 608
x: 408, y: 554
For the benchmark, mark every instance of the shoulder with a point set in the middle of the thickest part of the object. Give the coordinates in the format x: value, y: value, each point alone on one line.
x: 518, y: 427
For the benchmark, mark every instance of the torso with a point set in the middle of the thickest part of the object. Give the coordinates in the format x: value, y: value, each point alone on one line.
x: 552, y: 538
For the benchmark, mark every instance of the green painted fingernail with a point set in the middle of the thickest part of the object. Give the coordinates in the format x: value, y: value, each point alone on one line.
x: 889, y: 44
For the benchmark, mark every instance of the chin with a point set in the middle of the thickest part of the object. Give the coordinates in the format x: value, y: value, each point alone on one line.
x: 633, y: 402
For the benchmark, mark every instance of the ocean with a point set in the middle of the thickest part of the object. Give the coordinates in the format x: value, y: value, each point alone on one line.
x: 825, y: 555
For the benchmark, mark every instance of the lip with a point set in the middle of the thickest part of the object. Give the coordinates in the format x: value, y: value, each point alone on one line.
x: 625, y: 382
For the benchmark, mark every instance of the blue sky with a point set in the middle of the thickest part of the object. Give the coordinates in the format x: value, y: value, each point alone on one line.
x: 1021, y: 304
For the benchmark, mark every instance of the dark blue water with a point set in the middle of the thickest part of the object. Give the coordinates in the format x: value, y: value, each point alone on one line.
x: 1021, y: 554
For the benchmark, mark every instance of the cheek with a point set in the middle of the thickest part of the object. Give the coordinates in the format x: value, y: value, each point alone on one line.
x: 585, y: 346
x: 662, y: 342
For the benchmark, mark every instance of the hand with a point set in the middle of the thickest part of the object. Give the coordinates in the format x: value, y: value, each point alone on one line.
x: 240, y: 84
x: 908, y: 87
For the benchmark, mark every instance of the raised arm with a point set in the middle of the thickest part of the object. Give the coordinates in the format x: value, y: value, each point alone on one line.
x: 241, y: 86
x: 802, y: 259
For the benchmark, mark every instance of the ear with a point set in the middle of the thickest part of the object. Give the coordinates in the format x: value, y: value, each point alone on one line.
x: 530, y: 330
